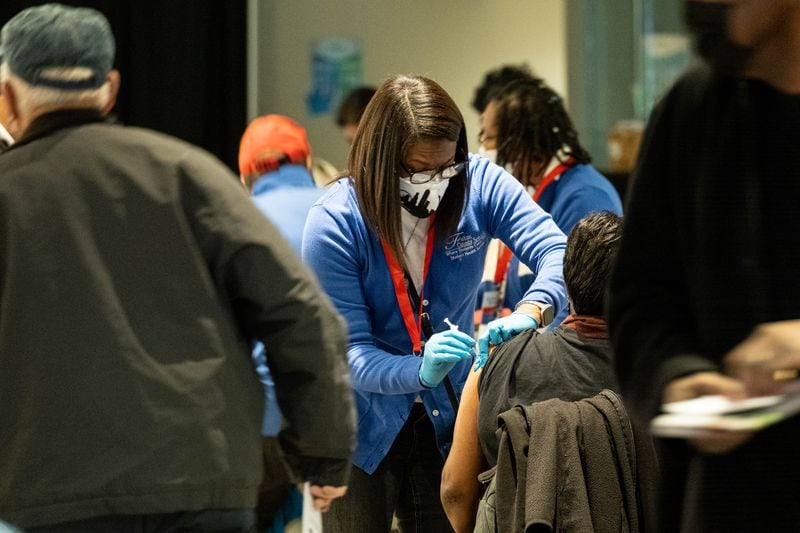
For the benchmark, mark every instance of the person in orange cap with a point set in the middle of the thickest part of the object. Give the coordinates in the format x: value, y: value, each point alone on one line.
x: 275, y: 166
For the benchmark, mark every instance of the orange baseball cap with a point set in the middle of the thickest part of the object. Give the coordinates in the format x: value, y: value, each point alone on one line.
x: 270, y: 141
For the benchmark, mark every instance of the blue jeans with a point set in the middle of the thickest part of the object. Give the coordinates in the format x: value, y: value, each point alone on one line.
x: 406, y: 484
x: 216, y: 520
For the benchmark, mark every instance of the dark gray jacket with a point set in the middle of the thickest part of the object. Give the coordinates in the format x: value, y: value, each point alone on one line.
x: 134, y: 275
x: 571, y: 466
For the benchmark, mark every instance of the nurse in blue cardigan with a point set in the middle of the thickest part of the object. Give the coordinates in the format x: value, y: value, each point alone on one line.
x: 399, y: 247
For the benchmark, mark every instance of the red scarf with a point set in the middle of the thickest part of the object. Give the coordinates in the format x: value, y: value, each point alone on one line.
x: 591, y: 327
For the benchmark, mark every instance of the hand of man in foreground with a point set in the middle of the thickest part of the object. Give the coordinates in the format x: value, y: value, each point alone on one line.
x: 768, y: 360
x: 702, y: 384
x: 322, y: 496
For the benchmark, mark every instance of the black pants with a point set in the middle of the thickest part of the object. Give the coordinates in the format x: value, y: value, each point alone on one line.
x: 405, y: 484
x: 217, y: 520
x: 752, y: 489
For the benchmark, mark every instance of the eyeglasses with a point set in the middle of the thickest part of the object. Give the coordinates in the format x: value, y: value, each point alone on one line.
x: 435, y: 174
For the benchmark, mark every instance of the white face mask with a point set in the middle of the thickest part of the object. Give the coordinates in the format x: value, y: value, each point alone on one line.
x: 5, y: 137
x: 422, y: 199
x: 491, y: 155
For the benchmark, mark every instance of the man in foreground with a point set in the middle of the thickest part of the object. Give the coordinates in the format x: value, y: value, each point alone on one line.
x: 704, y: 297
x: 135, y: 275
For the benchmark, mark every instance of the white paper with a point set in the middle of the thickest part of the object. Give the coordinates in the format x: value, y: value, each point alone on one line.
x: 720, y: 405
x: 687, y: 426
x: 312, y: 518
x: 5, y: 136
x: 710, y: 414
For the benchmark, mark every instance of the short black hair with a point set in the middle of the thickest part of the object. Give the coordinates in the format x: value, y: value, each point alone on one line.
x: 497, y: 79
x: 353, y: 106
x: 591, y: 247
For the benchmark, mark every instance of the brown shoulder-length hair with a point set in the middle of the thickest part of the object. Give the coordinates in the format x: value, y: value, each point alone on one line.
x: 404, y: 110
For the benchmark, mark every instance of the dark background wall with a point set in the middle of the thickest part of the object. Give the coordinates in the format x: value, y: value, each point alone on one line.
x: 182, y: 64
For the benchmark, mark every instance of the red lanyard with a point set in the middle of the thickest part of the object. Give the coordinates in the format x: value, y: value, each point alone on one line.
x: 413, y: 322
x: 551, y: 177
x: 503, y: 259
x: 504, y: 254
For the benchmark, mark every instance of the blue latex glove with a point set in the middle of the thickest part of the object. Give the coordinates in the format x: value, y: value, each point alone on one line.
x: 442, y: 352
x: 501, y: 330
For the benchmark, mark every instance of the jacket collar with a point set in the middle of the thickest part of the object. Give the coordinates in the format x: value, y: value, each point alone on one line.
x: 285, y: 176
x: 56, y: 120
x: 591, y: 327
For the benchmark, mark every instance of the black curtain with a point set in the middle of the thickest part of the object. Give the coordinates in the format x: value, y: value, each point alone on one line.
x: 183, y: 67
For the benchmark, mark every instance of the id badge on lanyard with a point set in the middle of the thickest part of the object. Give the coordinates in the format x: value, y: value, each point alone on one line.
x: 418, y: 323
x: 490, y: 300
x: 493, y: 296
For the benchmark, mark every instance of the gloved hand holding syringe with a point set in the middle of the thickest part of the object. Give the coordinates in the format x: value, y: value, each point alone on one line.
x: 442, y: 352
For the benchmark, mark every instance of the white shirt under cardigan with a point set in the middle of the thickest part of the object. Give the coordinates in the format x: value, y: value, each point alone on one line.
x: 415, y: 239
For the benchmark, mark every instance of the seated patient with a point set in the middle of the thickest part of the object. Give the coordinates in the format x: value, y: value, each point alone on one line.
x: 572, y: 362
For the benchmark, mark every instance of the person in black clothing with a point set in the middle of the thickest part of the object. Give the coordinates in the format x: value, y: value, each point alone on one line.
x: 570, y: 363
x: 704, y: 296
x: 495, y: 79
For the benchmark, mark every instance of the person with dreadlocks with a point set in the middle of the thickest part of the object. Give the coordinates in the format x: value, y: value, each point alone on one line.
x: 526, y: 129
x: 496, y: 79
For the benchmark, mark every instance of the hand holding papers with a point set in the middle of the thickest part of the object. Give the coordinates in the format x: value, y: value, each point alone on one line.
x: 312, y: 517
x: 714, y: 413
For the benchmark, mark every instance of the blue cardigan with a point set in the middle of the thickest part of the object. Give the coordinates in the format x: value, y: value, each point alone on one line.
x: 350, y: 263
x: 578, y: 192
